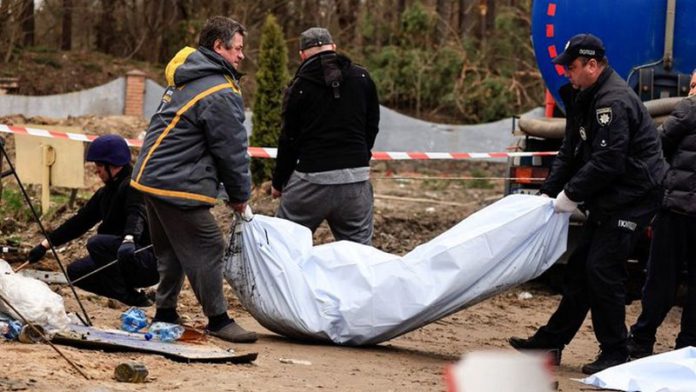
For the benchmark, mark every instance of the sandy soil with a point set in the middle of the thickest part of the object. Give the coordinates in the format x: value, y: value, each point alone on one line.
x: 408, y: 212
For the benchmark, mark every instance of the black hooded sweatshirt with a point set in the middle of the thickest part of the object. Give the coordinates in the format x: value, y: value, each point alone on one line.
x: 330, y: 118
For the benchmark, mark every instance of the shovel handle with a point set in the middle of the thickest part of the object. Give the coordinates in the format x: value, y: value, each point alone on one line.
x: 21, y: 267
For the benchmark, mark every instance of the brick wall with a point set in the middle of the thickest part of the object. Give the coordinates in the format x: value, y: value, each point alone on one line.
x: 135, y: 93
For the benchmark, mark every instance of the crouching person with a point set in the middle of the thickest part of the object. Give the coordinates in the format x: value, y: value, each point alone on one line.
x: 120, y: 212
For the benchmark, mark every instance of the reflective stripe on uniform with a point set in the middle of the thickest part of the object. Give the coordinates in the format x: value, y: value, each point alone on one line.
x: 176, y: 119
x: 168, y: 193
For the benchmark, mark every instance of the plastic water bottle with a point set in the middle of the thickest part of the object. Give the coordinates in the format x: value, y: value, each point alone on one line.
x: 165, y: 332
x: 10, y: 329
x: 133, y: 320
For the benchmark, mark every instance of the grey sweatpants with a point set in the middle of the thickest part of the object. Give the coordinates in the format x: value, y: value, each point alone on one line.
x: 187, y: 242
x: 347, y: 208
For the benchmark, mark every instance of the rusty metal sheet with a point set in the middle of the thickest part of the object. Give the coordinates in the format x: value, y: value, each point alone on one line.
x: 117, y: 340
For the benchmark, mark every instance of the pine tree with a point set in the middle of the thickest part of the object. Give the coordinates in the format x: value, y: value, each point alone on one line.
x: 271, y: 78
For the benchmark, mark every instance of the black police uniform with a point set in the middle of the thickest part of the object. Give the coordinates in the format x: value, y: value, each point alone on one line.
x: 674, y: 235
x: 610, y: 162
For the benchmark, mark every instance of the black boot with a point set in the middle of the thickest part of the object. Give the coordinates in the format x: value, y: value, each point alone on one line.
x: 136, y: 298
x: 605, y: 360
x: 167, y: 315
x: 638, y: 349
x: 538, y: 344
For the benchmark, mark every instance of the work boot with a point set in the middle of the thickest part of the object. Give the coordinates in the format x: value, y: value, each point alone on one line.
x: 537, y: 344
x: 167, y: 315
x: 638, y: 349
x: 137, y: 299
x: 605, y: 360
x: 232, y: 332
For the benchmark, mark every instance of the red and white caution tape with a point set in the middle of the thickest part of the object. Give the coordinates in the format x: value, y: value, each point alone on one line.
x: 269, y: 152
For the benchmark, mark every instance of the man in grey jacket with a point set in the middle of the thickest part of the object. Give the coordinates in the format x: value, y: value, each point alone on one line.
x: 195, y: 141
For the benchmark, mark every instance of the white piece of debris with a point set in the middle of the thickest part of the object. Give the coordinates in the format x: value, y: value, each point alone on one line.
x: 525, y: 295
x: 33, y: 299
x: 294, y: 361
x: 674, y: 371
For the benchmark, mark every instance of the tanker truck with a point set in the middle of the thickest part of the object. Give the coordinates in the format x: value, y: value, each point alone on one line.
x: 650, y: 43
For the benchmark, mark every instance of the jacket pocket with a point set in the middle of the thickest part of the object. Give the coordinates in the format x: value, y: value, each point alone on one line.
x: 201, y: 171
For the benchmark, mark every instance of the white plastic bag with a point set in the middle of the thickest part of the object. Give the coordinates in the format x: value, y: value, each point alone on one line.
x: 673, y: 371
x: 349, y: 293
x: 33, y: 299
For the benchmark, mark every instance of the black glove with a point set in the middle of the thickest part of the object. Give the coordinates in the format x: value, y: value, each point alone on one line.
x: 126, y: 251
x: 36, y: 254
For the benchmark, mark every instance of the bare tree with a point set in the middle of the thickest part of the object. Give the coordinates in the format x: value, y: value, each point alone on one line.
x: 347, y: 12
x: 442, y: 8
x: 490, y: 15
x: 66, y: 34
x: 400, y: 7
x: 468, y: 11
x: 106, y: 26
x: 28, y: 25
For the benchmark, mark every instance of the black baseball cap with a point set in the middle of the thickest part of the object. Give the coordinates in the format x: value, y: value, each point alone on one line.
x: 315, y: 36
x: 585, y: 45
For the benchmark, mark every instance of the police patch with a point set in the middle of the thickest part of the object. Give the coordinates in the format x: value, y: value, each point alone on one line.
x: 604, y: 116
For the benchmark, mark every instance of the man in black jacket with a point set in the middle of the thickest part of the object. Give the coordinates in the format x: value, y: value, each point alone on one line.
x: 674, y: 235
x: 611, y: 164
x: 123, y: 229
x: 330, y: 122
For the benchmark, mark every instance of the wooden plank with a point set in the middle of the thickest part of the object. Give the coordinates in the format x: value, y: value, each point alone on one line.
x: 116, y: 340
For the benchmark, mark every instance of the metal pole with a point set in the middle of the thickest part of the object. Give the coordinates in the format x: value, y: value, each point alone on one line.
x: 668, y: 57
x: 43, y: 230
x: 107, y: 265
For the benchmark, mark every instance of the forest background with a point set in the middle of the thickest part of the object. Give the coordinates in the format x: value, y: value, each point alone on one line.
x: 454, y: 61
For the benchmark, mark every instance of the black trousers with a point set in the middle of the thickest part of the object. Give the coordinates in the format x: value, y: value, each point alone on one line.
x: 673, y: 247
x: 595, y: 278
x: 120, y: 280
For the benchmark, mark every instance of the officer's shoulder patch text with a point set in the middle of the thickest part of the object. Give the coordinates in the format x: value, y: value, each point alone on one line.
x: 604, y: 116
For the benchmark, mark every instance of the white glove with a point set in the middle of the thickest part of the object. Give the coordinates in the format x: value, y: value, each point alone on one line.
x: 563, y: 204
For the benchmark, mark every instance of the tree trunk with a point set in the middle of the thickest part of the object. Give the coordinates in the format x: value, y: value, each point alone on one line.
x: 490, y: 16
x: 28, y: 22
x: 347, y: 12
x: 66, y: 37
x: 400, y: 8
x: 106, y: 26
x: 4, y: 20
x: 482, y: 11
x: 442, y: 8
x: 468, y: 11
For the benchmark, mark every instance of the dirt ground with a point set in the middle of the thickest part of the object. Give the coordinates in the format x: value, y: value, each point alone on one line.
x: 407, y: 212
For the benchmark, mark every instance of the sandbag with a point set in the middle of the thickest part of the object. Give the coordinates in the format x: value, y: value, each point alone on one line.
x: 353, y: 294
x: 33, y: 299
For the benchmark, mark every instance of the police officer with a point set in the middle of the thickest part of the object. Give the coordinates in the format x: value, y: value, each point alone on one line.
x: 674, y: 235
x: 610, y: 163
x: 122, y: 230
